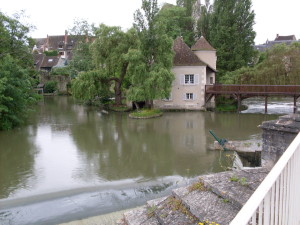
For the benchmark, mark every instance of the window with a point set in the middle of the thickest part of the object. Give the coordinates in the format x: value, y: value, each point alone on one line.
x: 189, y: 79
x: 211, y: 80
x: 189, y: 96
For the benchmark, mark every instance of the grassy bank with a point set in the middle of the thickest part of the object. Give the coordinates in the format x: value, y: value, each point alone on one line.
x: 145, y: 113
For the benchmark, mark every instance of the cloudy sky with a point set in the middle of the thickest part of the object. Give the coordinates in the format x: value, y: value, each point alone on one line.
x: 54, y: 17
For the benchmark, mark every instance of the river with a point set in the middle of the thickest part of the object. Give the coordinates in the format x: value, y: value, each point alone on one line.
x: 72, y: 161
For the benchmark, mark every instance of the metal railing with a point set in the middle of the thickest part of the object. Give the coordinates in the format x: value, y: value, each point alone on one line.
x: 277, y: 200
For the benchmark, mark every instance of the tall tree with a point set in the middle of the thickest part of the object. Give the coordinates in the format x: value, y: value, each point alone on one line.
x: 231, y: 33
x: 109, y: 61
x: 83, y: 34
x: 16, y: 68
x: 109, y: 51
x: 203, y: 26
x: 150, y: 64
x: 177, y: 21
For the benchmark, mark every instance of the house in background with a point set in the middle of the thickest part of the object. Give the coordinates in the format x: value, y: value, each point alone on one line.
x: 193, y: 69
x: 289, y: 39
x: 63, y: 44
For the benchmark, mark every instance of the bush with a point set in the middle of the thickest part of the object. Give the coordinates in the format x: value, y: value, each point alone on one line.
x: 146, y: 113
x: 51, y: 53
x: 50, y: 86
x: 60, y: 71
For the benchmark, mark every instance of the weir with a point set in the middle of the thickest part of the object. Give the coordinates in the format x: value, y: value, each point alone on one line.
x: 218, y: 198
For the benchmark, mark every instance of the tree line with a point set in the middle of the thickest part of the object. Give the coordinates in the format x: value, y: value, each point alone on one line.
x: 137, y: 63
x: 17, y: 74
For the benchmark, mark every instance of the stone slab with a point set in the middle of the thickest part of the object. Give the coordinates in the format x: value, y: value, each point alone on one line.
x: 140, y: 216
x: 156, y: 202
x: 168, y: 213
x: 241, y: 146
x: 207, y: 206
x: 235, y: 186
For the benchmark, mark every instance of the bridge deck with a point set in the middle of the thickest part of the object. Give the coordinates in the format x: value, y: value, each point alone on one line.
x: 241, y: 92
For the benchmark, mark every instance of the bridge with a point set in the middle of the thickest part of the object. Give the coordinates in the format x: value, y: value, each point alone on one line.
x: 241, y: 92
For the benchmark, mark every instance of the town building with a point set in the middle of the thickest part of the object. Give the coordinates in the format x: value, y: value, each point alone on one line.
x: 289, y: 39
x: 193, y: 69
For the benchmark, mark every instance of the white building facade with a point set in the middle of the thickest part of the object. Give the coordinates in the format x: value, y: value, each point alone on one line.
x: 193, y: 69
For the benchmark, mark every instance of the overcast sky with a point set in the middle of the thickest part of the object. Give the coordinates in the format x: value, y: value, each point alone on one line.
x: 54, y: 17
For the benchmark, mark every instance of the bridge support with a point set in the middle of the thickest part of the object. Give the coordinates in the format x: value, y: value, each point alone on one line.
x: 295, y: 103
x: 266, y: 104
x: 239, y: 103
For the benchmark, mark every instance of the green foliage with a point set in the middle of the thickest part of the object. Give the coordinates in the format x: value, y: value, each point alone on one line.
x: 279, y: 65
x: 229, y: 28
x: 16, y: 70
x: 51, y: 53
x: 104, y: 60
x: 89, y: 86
x: 15, y: 93
x: 150, y: 64
x: 176, y: 21
x: 50, y: 86
x: 145, y: 113
x: 234, y: 178
x: 203, y: 23
x: 82, y: 59
x: 110, y: 55
x: 61, y: 71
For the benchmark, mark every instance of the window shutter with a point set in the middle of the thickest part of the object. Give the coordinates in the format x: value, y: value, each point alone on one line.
x: 184, y: 96
x: 194, y: 96
x: 197, y: 78
x: 182, y: 79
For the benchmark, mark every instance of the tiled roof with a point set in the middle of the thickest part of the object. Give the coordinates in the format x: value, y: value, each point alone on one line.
x: 184, y: 56
x: 49, y: 61
x: 285, y: 38
x: 38, y: 60
x: 40, y: 41
x: 202, y: 44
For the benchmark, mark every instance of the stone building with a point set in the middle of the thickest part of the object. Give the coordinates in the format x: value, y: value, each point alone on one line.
x: 193, y: 69
x: 289, y: 39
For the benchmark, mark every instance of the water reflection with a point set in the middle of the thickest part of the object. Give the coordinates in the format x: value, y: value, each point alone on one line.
x: 68, y: 145
x: 17, y: 151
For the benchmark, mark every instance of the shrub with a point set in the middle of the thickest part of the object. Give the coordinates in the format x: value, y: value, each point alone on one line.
x: 51, y: 53
x: 50, y: 86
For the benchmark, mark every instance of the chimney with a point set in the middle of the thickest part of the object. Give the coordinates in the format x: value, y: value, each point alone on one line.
x: 66, y: 37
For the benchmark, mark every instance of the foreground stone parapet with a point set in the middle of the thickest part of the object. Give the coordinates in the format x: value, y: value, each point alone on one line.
x: 214, y: 198
x: 207, y: 206
x: 235, y: 186
x: 139, y: 216
x: 277, y: 136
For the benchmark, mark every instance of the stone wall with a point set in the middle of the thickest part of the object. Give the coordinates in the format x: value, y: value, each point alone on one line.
x: 277, y: 136
x: 62, y: 81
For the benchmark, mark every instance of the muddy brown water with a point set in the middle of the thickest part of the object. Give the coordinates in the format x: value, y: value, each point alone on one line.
x: 72, y: 161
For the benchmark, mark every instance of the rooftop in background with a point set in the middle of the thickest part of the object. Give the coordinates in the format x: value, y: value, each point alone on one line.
x: 184, y: 56
x: 202, y: 45
x: 278, y: 40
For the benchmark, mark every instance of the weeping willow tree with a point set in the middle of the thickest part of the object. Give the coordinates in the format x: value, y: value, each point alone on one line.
x: 280, y: 65
x: 109, y: 62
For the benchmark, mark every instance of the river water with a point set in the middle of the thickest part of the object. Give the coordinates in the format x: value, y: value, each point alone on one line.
x: 72, y: 161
